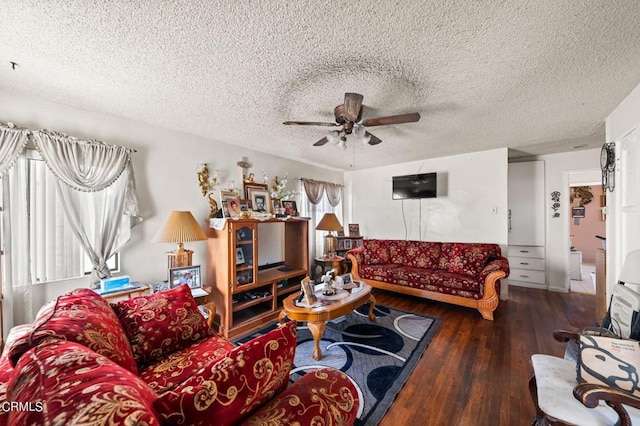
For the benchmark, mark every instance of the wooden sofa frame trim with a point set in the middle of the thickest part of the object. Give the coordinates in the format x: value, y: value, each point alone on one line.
x: 485, y: 306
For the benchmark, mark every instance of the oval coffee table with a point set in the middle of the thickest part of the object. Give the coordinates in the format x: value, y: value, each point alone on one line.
x: 328, y: 308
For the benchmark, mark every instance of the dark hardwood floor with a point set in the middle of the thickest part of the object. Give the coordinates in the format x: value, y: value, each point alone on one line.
x: 475, y: 372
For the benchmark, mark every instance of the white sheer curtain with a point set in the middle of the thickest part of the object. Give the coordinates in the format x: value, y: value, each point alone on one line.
x: 96, y: 186
x: 316, y: 211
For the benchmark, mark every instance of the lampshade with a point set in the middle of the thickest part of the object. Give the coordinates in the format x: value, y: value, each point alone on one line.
x: 178, y: 228
x: 329, y: 222
x: 631, y: 269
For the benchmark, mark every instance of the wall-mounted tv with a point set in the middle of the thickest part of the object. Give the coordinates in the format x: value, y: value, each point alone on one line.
x: 415, y: 186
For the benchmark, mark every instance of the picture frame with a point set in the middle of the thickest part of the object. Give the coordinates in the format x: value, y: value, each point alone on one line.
x: 225, y: 209
x: 309, y: 293
x: 354, y: 230
x: 275, y: 205
x: 260, y: 200
x: 341, y: 233
x: 290, y: 208
x: 228, y: 194
x: 347, y: 245
x: 347, y: 278
x: 577, y: 212
x: 239, y: 256
x: 244, y: 207
x: 246, y: 186
x: 160, y: 286
x: 233, y: 207
x: 190, y: 275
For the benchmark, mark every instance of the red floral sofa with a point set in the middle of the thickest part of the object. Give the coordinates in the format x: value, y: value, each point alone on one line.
x: 154, y: 360
x: 465, y: 274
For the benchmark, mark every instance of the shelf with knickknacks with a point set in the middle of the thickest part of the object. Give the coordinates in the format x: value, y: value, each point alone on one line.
x: 208, y: 181
x: 278, y: 192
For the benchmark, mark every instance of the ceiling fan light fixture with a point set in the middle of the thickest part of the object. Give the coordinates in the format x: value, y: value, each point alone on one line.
x: 333, y: 137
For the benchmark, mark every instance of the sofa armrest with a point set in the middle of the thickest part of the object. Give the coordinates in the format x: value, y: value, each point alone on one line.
x: 324, y: 396
x: 563, y: 336
x: 356, y: 256
x: 500, y: 264
x: 357, y: 253
x: 590, y: 395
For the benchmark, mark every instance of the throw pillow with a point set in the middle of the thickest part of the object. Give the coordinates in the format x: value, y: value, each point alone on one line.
x: 162, y: 323
x: 422, y: 254
x: 469, y: 259
x: 376, y: 252
x: 64, y: 383
x: 81, y: 316
x: 235, y: 386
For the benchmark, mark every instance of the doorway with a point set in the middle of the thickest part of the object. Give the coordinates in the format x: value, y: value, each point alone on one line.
x: 587, y: 228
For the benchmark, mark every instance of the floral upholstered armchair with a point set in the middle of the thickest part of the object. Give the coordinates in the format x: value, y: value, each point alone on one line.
x: 153, y: 360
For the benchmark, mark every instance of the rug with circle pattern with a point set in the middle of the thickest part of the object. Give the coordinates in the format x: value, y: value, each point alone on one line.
x: 378, y: 356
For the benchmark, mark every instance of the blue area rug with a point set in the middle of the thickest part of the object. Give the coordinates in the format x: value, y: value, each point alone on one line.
x: 378, y: 356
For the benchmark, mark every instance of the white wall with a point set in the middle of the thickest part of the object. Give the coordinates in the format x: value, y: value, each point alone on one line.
x: 623, y: 220
x: 165, y: 168
x: 470, y: 187
x: 558, y: 169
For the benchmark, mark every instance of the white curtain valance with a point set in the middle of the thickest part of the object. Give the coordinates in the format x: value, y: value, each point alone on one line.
x: 315, y: 188
x: 13, y: 141
x: 85, y: 165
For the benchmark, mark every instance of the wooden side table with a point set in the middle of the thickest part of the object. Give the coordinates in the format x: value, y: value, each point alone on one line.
x: 324, y: 263
x: 128, y: 293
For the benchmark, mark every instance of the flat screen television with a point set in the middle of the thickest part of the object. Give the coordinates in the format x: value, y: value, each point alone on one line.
x: 415, y: 186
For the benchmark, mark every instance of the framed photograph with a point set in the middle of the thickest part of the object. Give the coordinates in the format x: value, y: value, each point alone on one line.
x: 252, y: 185
x: 275, y: 204
x: 260, y: 200
x: 309, y: 293
x: 225, y: 209
x: 354, y: 230
x: 341, y: 233
x: 226, y: 195
x: 244, y: 207
x: 160, y: 286
x: 290, y: 208
x: 233, y: 205
x: 347, y: 245
x: 346, y: 279
x: 577, y: 211
x: 190, y: 275
x: 239, y: 256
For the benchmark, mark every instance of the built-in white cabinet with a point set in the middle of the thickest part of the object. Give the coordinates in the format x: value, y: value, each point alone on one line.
x: 527, y: 224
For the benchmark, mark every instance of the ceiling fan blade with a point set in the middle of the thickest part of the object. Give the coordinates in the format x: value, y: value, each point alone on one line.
x: 373, y: 140
x: 392, y: 119
x: 310, y: 123
x: 321, y: 142
x: 352, y: 106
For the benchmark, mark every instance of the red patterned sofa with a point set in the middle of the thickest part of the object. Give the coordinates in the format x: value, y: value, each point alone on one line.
x: 154, y: 360
x: 465, y: 274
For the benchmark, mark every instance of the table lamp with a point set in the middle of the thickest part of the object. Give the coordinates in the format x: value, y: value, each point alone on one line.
x: 179, y: 227
x: 329, y: 223
x: 631, y: 269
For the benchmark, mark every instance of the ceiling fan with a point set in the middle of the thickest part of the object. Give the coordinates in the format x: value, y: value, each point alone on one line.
x: 349, y: 117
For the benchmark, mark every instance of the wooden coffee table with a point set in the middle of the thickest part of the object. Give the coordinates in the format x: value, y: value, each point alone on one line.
x: 317, y: 315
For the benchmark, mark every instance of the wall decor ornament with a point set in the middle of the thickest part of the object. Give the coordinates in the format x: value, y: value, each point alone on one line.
x: 208, y: 181
x: 555, y: 204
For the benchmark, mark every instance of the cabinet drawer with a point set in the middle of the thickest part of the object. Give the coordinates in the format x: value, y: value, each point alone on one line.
x: 526, y: 263
x: 526, y: 251
x: 527, y: 276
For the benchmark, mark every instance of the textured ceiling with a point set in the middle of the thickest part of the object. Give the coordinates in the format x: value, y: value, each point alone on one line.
x: 535, y: 76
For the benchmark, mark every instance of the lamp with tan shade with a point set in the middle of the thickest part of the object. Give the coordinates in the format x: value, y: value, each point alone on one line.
x: 180, y: 227
x: 329, y: 223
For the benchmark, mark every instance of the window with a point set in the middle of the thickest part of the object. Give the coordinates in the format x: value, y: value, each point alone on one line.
x: 54, y: 251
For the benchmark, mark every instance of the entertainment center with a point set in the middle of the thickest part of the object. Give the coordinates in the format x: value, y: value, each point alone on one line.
x: 247, y: 289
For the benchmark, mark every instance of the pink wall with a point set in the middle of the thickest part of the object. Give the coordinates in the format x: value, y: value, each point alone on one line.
x: 588, y: 227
